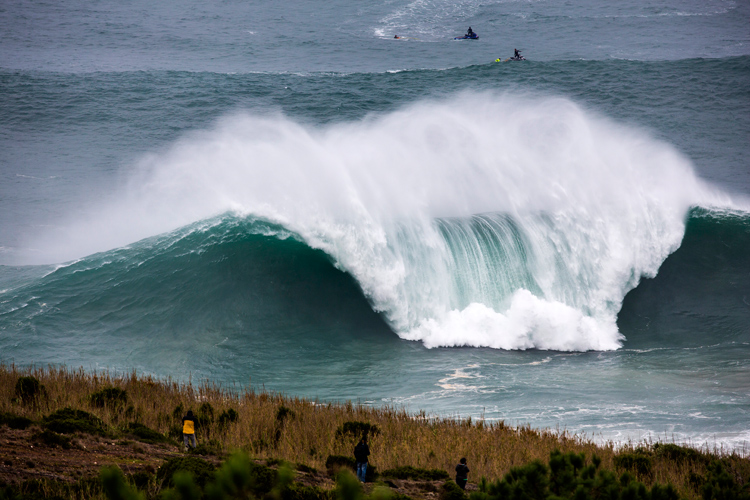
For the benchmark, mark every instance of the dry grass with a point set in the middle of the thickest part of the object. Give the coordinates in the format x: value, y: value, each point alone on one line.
x: 309, y: 436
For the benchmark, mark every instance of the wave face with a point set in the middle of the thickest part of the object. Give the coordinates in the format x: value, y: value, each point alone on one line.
x: 480, y: 220
x: 239, y: 277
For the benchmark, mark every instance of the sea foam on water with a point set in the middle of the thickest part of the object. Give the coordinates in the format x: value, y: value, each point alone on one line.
x: 482, y: 219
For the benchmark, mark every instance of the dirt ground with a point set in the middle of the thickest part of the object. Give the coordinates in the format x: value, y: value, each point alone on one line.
x: 23, y: 457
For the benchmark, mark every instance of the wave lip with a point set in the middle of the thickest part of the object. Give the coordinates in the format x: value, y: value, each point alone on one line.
x: 483, y: 219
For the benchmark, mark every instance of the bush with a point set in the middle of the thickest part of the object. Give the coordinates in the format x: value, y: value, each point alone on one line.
x: 336, y: 462
x: 348, y: 487
x: 112, y: 397
x: 636, y: 463
x: 241, y: 478
x: 569, y: 477
x: 200, y: 469
x: 283, y: 413
x: 68, y: 421
x: 53, y: 439
x: 720, y: 485
x: 146, y: 434
x: 679, y: 454
x: 28, y: 390
x: 210, y: 448
x: 115, y: 487
x: 14, y: 421
x: 298, y: 491
x: 205, y: 415
x: 227, y: 417
x: 409, y: 472
x: 451, y: 491
x: 356, y: 429
x: 32, y: 489
x: 141, y: 480
x: 305, y: 468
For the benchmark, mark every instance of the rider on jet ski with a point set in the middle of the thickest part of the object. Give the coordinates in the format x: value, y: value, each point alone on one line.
x: 470, y: 33
x: 516, y: 53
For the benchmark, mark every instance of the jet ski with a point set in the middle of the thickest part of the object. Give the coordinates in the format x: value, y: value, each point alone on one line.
x: 514, y: 58
x: 473, y: 36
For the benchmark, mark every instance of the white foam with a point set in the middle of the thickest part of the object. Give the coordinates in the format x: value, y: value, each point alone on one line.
x: 576, y: 209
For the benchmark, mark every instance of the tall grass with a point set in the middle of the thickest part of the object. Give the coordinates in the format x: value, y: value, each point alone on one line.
x: 307, y: 435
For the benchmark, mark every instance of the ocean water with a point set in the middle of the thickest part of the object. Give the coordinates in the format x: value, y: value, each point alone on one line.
x: 285, y: 195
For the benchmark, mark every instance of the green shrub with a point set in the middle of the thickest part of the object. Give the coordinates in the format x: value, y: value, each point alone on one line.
x: 241, y: 478
x: 227, y: 417
x: 28, y: 390
x: 53, y: 439
x: 336, y: 462
x: 636, y: 463
x: 68, y: 421
x: 409, y: 472
x: 283, y: 413
x: 451, y: 491
x: 348, y: 487
x: 570, y: 477
x: 15, y: 421
x: 205, y: 415
x: 679, y: 454
x: 720, y: 485
x: 145, y: 434
x: 141, y: 479
x: 298, y: 491
x: 356, y: 429
x: 32, y: 489
x: 177, y: 413
x: 115, y: 487
x: 111, y: 397
x: 201, y: 470
x: 305, y: 468
x: 210, y: 448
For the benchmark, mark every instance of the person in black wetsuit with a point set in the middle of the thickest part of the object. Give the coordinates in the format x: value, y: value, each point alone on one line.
x: 470, y: 33
x: 462, y: 474
x: 516, y: 53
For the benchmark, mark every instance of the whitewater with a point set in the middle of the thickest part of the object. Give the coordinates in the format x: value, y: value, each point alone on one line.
x: 485, y: 220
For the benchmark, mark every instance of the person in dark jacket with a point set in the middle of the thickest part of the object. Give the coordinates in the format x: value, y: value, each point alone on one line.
x: 188, y: 429
x: 462, y: 474
x: 361, y: 451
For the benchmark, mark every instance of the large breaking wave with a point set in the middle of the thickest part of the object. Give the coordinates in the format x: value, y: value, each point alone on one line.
x: 481, y: 220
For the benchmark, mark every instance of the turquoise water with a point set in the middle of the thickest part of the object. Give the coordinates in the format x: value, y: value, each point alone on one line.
x: 286, y: 194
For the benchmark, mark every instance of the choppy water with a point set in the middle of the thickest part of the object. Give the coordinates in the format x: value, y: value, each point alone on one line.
x: 284, y: 193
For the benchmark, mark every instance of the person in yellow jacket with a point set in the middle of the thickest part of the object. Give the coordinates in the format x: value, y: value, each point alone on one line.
x: 188, y: 429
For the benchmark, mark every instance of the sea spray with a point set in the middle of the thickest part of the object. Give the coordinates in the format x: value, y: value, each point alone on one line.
x: 482, y: 220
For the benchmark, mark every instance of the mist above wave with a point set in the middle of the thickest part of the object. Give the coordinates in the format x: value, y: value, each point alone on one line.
x: 483, y: 219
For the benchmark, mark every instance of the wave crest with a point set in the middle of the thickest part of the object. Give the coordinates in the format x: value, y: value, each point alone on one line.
x: 483, y: 219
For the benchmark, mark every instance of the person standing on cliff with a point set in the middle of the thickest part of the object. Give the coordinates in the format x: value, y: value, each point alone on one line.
x: 462, y: 474
x: 188, y: 429
x: 361, y: 451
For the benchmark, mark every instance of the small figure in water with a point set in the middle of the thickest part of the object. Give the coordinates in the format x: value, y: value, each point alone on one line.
x: 462, y: 474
